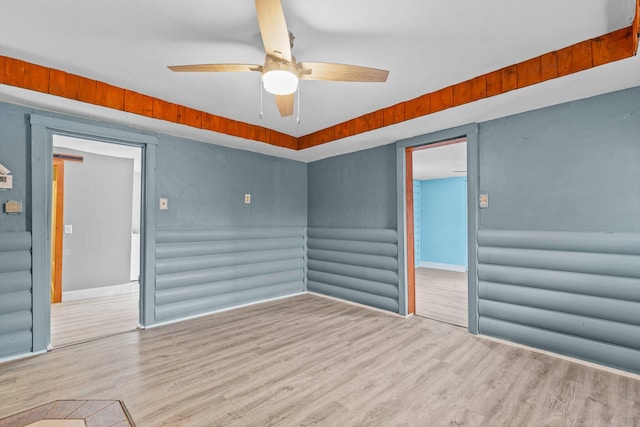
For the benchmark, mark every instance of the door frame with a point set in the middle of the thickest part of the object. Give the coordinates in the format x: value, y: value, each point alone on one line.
x: 404, y: 166
x: 42, y: 130
x: 411, y: 265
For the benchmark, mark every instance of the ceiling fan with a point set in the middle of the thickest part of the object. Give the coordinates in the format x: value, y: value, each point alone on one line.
x: 280, y: 71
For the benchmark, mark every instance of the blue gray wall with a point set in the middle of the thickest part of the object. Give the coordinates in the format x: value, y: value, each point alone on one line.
x: 443, y: 221
x: 353, y: 251
x: 354, y: 190
x: 15, y: 242
x: 240, y: 253
x: 206, y: 185
x: 559, y: 244
x: 570, y: 167
x: 213, y: 250
x: 14, y: 155
x: 558, y: 247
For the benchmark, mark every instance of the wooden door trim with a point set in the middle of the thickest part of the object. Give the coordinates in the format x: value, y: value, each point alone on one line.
x: 437, y: 144
x: 59, y: 236
x: 410, y: 255
x: 411, y: 270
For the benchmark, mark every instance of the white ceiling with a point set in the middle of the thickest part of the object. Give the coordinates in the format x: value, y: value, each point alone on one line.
x: 425, y: 44
x: 445, y: 161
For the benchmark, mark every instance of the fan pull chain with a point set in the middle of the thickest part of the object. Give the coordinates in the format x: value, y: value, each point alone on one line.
x: 261, y: 90
x: 298, y: 103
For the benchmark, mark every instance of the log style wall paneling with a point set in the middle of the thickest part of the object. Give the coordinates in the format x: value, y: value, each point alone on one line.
x: 601, y: 50
x: 200, y: 271
x: 359, y: 265
x: 572, y: 293
x: 15, y: 293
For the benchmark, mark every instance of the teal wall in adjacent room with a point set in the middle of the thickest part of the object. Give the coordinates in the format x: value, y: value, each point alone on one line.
x: 443, y: 221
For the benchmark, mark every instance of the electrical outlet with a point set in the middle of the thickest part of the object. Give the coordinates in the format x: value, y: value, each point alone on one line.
x: 13, y: 206
x: 164, y: 203
x: 247, y: 198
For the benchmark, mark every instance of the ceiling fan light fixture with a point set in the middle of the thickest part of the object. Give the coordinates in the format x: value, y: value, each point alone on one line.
x: 280, y: 82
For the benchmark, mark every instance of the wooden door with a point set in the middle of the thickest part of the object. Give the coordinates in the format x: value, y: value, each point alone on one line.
x: 57, y: 226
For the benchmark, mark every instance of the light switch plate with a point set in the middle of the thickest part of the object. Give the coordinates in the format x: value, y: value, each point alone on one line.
x: 484, y: 201
x: 68, y: 228
x: 6, y: 182
x: 164, y: 203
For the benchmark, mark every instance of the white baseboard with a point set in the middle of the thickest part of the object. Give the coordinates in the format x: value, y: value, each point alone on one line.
x: 104, y: 291
x: 441, y: 266
x: 368, y: 307
x: 21, y: 356
x: 208, y: 313
x: 562, y: 356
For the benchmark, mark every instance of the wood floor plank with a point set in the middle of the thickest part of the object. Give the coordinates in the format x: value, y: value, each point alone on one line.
x: 442, y: 295
x: 91, y: 318
x: 309, y: 360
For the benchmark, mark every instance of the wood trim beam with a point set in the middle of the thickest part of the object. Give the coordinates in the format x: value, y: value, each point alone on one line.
x: 68, y: 157
x: 636, y: 28
x: 587, y: 54
x: 14, y: 72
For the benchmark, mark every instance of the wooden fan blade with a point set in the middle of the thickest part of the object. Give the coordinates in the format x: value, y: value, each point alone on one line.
x: 273, y: 29
x: 215, y: 67
x: 285, y: 104
x: 340, y: 72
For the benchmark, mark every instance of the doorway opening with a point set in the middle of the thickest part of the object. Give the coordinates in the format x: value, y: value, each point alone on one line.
x: 437, y: 231
x: 95, y: 235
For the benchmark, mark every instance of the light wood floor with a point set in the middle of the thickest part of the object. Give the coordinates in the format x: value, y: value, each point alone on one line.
x: 309, y: 360
x: 83, y: 320
x: 442, y: 295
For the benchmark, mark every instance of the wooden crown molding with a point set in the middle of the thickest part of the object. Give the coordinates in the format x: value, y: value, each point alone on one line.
x: 590, y: 53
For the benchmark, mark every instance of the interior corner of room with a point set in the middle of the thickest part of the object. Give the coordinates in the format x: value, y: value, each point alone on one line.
x: 339, y: 204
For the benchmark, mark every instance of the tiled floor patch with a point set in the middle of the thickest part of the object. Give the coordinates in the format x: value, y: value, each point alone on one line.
x: 73, y: 413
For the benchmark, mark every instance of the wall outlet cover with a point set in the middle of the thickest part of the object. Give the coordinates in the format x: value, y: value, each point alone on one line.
x: 13, y: 207
x: 247, y: 198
